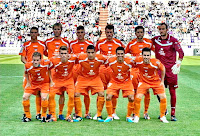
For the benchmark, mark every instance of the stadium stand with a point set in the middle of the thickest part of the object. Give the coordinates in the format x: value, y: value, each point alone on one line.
x: 18, y: 16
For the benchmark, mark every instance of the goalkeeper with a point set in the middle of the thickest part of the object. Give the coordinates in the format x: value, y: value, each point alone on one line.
x: 166, y: 47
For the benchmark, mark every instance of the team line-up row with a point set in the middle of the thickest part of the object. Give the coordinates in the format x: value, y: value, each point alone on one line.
x: 110, y: 70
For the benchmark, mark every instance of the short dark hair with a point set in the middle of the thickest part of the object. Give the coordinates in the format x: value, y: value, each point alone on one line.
x: 90, y: 47
x: 63, y: 48
x: 35, y: 28
x: 139, y: 27
x: 120, y: 49
x: 57, y: 24
x: 109, y: 27
x: 80, y: 28
x: 146, y: 49
x: 164, y: 24
x: 36, y: 54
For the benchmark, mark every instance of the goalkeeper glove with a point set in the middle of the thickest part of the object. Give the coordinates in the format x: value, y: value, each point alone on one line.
x: 176, y: 67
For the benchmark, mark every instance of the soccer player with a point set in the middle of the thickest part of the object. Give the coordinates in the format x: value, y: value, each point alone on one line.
x: 108, y: 47
x: 149, y: 78
x: 62, y: 81
x: 37, y: 76
x: 26, y: 53
x: 53, y: 44
x: 166, y: 48
x: 80, y: 46
x: 135, y: 49
x: 89, y: 79
x: 120, y: 80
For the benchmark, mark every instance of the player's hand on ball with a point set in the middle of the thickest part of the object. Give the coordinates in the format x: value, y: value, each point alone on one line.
x: 176, y: 67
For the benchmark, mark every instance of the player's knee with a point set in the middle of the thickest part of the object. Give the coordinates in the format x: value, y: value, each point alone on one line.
x: 108, y: 98
x: 44, y: 98
x: 101, y: 94
x: 77, y: 94
x: 139, y: 96
x: 162, y: 96
x: 131, y: 98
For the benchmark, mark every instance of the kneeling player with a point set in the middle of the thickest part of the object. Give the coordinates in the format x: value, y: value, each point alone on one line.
x: 37, y: 76
x: 62, y: 81
x: 89, y: 79
x: 120, y: 79
x: 149, y: 78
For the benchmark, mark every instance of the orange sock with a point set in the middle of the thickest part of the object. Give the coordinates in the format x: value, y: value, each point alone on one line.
x: 134, y: 103
x: 26, y: 105
x: 129, y: 109
x: 137, y: 107
x: 52, y: 104
x: 61, y: 106
x: 146, y: 102
x: 87, y: 103
x: 70, y: 104
x: 38, y: 104
x: 100, y: 104
x: 44, y: 105
x: 163, y: 106
x: 78, y: 105
x: 114, y: 104
x: 109, y: 108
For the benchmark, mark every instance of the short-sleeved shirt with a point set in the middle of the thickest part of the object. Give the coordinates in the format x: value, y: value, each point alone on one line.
x: 38, y: 75
x: 135, y: 48
x: 149, y: 72
x: 63, y: 71
x: 79, y: 47
x: 30, y: 47
x: 90, y: 68
x: 120, y: 71
x: 108, y: 47
x: 53, y: 46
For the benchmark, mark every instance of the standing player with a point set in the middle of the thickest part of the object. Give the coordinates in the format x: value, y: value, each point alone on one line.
x: 108, y: 47
x: 166, y: 48
x: 80, y: 46
x: 62, y: 81
x: 89, y: 79
x: 135, y: 49
x: 26, y: 56
x: 53, y: 45
x: 149, y: 78
x: 120, y: 80
x: 37, y: 76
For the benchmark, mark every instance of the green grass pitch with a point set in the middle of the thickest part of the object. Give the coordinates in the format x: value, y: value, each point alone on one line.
x: 187, y: 112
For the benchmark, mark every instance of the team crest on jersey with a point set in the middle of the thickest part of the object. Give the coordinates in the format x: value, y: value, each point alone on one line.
x: 110, y: 48
x: 91, y: 66
x: 119, y: 70
x: 57, y: 46
x: 82, y: 48
x: 35, y: 49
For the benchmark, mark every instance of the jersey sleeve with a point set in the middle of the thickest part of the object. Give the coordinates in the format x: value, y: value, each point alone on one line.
x: 97, y: 46
x: 178, y: 48
x: 160, y: 65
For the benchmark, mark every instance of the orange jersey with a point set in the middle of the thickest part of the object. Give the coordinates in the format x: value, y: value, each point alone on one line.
x: 38, y: 75
x: 53, y: 46
x: 30, y: 47
x: 90, y: 68
x: 135, y: 48
x: 149, y: 72
x: 108, y: 47
x: 63, y: 71
x: 79, y: 47
x: 120, y: 71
